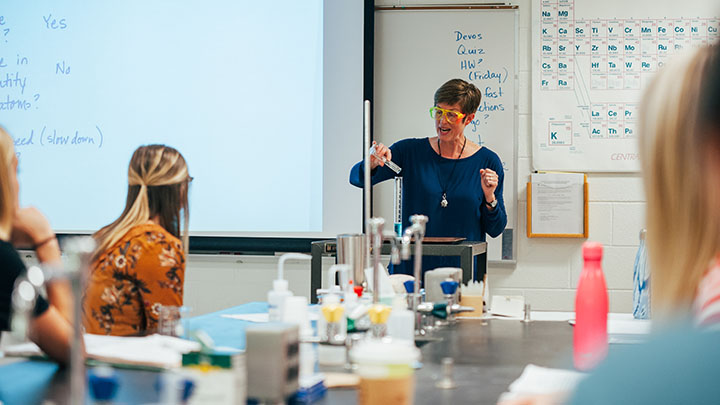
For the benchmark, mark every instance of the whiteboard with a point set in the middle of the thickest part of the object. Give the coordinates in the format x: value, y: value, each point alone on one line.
x: 591, y: 61
x: 261, y: 98
x: 416, y: 51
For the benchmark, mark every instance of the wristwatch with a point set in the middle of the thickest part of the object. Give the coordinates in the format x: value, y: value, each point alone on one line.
x: 492, y: 204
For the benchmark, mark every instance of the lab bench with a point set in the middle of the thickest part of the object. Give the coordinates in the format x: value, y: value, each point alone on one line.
x: 488, y: 355
x: 467, y: 251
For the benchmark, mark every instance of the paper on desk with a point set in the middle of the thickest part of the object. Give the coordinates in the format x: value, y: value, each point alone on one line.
x: 625, y: 326
x: 510, y: 305
x: 262, y: 317
x: 628, y: 327
x: 151, y: 351
x: 536, y: 380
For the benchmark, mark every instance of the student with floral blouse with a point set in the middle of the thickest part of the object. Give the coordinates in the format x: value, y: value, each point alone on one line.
x: 139, y: 263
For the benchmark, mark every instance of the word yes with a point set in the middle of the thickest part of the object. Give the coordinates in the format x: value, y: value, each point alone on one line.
x: 53, y: 23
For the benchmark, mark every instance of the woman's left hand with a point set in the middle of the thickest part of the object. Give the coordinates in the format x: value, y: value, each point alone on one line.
x: 489, y: 182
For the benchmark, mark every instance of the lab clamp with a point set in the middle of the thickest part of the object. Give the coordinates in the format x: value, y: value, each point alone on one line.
x: 426, y: 314
x: 415, y: 230
x: 442, y: 313
x: 31, y: 285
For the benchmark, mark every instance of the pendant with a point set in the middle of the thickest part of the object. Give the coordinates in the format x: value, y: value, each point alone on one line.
x: 444, y: 202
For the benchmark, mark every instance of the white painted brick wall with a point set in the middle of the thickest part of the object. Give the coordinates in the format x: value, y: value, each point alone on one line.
x: 215, y: 282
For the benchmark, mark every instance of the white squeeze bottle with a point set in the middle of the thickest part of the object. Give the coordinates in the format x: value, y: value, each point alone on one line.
x: 401, y: 323
x: 276, y: 299
x: 276, y: 296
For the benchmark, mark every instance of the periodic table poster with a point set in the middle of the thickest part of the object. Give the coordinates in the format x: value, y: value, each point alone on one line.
x: 591, y: 61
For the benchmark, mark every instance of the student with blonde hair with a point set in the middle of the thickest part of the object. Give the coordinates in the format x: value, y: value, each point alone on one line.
x: 139, y: 264
x: 679, y: 136
x: 27, y: 228
x: 680, y: 154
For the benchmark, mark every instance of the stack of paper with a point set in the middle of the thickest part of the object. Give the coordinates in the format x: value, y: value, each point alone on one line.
x: 536, y: 380
x: 150, y: 351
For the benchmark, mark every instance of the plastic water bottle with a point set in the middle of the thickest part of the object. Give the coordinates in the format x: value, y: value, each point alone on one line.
x: 590, y: 341
x: 641, y: 282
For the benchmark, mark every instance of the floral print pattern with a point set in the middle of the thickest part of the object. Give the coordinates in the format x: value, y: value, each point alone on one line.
x: 127, y: 284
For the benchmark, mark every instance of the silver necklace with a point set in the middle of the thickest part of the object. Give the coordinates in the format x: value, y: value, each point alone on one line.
x: 444, y: 201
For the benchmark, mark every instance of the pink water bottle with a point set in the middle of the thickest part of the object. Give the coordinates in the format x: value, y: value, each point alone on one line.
x: 590, y: 341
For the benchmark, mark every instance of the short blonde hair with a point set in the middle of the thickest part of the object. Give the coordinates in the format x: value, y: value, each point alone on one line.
x: 683, y: 212
x: 7, y: 197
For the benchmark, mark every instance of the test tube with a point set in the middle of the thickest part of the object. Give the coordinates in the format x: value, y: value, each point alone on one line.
x: 389, y: 163
x: 398, y: 206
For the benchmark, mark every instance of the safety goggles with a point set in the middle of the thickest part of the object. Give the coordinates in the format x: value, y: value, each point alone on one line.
x: 450, y: 115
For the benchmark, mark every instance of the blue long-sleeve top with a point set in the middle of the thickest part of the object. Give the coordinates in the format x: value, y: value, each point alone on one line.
x: 424, y: 172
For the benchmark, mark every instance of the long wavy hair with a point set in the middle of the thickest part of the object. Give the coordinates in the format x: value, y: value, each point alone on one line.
x: 157, y: 188
x: 7, y: 194
x: 680, y: 154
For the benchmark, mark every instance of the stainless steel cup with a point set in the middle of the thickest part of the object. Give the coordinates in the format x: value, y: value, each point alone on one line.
x: 351, y: 251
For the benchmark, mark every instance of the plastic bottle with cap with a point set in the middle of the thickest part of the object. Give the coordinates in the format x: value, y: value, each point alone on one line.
x: 357, y: 314
x: 590, y: 341
x: 331, y: 326
x: 103, y: 384
x: 379, y: 315
x: 641, y: 282
x: 332, y: 331
x: 409, y: 291
x: 276, y: 297
x: 174, y: 388
x: 449, y: 288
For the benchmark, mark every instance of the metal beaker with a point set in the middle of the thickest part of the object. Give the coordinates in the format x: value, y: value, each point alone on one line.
x: 351, y: 251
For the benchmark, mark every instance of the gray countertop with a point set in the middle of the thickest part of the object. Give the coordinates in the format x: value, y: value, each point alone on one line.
x: 488, y: 356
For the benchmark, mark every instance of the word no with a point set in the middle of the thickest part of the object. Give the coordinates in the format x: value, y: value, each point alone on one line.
x: 54, y: 23
x: 62, y: 68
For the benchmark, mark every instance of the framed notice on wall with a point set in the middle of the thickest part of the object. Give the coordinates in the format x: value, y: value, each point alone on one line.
x: 557, y: 205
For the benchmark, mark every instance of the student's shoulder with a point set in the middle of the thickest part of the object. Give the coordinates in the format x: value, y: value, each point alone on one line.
x: 150, y: 237
x: 155, y: 247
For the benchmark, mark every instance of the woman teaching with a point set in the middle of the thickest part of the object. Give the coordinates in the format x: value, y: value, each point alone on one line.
x: 139, y: 263
x: 455, y: 182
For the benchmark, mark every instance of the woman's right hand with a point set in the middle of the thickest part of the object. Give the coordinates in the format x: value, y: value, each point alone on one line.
x: 380, y: 151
